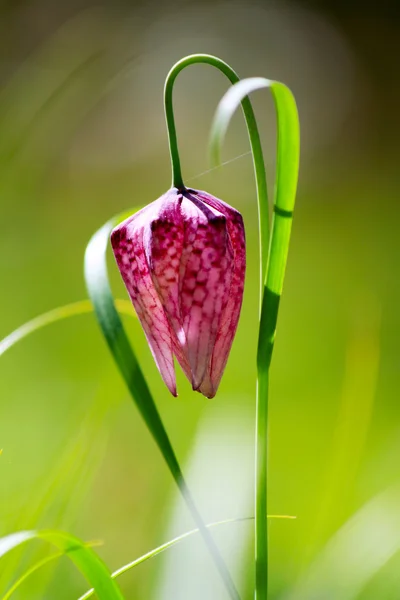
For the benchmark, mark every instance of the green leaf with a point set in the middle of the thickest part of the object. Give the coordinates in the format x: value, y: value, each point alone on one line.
x: 173, y: 542
x: 98, y: 285
x: 80, y: 554
x: 38, y: 565
x: 288, y: 156
x: 97, y: 281
x: 48, y: 559
x: 272, y: 270
x: 53, y: 316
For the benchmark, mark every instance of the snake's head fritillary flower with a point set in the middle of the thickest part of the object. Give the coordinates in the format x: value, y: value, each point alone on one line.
x: 182, y: 259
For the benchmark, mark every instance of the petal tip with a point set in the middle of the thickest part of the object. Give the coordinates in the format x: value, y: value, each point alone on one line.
x: 171, y: 387
x: 206, y: 389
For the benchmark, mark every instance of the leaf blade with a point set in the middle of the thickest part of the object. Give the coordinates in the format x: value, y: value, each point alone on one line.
x: 55, y: 315
x: 84, y: 558
x: 172, y: 543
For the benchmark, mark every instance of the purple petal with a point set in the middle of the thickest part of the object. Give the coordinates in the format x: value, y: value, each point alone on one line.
x: 230, y: 316
x: 128, y: 244
x: 164, y: 247
x: 182, y: 259
x: 205, y: 279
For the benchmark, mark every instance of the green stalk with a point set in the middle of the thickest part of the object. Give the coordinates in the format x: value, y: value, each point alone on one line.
x: 288, y: 149
x: 254, y: 136
x: 263, y: 213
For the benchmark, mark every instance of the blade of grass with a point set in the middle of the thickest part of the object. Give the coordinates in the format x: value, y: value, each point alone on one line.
x: 131, y: 565
x: 53, y: 316
x: 96, y: 276
x: 172, y: 543
x: 272, y: 276
x: 84, y: 558
x: 36, y: 567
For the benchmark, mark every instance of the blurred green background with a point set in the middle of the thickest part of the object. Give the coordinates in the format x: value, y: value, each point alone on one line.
x: 82, y: 137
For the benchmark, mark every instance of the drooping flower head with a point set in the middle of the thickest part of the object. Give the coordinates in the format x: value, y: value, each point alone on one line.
x: 182, y: 259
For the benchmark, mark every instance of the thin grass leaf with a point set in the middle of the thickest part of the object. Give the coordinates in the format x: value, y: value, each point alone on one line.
x: 172, y: 543
x: 53, y: 316
x: 129, y: 566
x: 288, y: 155
x: 85, y: 559
x: 36, y: 567
x: 272, y: 272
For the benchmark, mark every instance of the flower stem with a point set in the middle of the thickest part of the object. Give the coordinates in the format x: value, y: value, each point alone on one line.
x: 269, y: 313
x: 262, y: 197
x: 261, y: 537
x: 254, y: 136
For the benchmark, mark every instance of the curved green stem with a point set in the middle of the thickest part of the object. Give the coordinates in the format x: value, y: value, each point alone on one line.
x: 263, y: 213
x: 272, y: 276
x: 254, y: 136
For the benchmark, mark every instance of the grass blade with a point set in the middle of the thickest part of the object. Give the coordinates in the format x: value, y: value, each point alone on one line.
x: 288, y: 152
x: 172, y: 543
x: 41, y: 563
x: 48, y: 559
x: 53, y: 316
x: 80, y: 554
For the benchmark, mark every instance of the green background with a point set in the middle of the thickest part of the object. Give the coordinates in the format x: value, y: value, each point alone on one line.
x: 82, y: 137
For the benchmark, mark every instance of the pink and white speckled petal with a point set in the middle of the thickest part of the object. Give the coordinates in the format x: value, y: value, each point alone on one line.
x: 183, y: 261
x: 128, y: 244
x: 205, y: 281
x: 231, y: 313
x: 217, y: 204
x: 164, y: 246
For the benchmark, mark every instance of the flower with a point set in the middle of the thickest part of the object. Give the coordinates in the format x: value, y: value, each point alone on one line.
x: 183, y: 261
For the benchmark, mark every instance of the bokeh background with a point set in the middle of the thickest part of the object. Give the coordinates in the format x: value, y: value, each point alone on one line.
x: 82, y: 137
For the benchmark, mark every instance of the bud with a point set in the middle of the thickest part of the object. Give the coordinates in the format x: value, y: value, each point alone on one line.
x: 183, y: 261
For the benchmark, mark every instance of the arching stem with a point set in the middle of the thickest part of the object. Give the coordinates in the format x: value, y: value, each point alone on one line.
x: 254, y: 136
x: 261, y: 551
